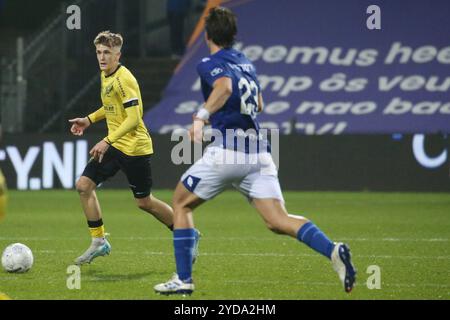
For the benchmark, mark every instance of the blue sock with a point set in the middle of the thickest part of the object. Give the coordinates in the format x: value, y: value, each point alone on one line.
x: 183, y: 241
x: 315, y: 239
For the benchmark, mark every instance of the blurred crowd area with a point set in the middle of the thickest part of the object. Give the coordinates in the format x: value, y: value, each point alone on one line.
x: 165, y: 25
x: 50, y: 70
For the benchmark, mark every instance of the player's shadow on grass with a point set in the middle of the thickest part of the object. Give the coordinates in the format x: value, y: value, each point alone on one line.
x: 96, y: 275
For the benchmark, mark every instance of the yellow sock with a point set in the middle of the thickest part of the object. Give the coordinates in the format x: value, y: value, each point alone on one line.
x: 98, y: 232
x: 4, y: 296
x: 2, y: 206
x: 3, y: 197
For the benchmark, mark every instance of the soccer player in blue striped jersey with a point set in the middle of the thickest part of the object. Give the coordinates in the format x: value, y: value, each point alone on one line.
x: 233, y: 99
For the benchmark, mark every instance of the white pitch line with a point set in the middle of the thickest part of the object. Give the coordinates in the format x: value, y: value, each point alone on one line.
x: 315, y: 283
x: 234, y: 239
x: 240, y: 282
x: 255, y: 254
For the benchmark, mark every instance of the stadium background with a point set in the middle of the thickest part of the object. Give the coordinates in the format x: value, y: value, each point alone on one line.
x: 49, y: 74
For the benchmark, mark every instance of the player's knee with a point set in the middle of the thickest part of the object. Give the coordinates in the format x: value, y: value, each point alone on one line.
x: 179, y: 207
x: 83, y: 187
x: 177, y: 199
x: 145, y: 204
x: 179, y: 203
x: 142, y: 206
x: 275, y: 227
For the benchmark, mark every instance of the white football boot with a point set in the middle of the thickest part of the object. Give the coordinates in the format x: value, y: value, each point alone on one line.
x: 175, y: 286
x: 99, y: 247
x: 342, y: 264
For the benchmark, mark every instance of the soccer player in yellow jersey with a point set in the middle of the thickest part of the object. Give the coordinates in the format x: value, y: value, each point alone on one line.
x: 127, y: 146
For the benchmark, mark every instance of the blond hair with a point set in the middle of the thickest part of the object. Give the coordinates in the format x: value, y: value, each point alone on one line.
x: 109, y: 39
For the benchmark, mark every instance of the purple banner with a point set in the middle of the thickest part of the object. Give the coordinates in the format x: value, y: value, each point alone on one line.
x: 333, y: 67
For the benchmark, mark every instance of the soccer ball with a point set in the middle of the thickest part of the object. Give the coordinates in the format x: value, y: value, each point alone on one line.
x: 17, y: 257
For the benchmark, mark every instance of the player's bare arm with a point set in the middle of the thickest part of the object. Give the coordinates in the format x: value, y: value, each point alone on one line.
x: 260, y: 103
x: 222, y: 90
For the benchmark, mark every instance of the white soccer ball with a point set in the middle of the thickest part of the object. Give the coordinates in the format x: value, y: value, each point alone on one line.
x: 17, y: 257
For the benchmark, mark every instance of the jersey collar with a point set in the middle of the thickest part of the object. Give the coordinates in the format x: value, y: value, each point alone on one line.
x: 118, y: 67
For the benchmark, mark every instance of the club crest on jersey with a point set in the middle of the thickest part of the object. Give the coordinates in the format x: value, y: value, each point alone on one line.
x: 190, y: 182
x: 216, y: 71
x: 108, y: 90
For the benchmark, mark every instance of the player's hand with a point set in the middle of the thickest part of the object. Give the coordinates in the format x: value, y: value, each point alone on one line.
x: 99, y: 150
x: 196, y: 131
x: 194, y: 117
x: 79, y: 125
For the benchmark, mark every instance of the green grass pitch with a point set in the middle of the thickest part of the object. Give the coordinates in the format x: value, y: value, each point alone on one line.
x: 406, y: 234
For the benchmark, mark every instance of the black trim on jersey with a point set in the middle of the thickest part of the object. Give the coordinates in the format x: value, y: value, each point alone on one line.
x: 118, y: 67
x: 131, y: 103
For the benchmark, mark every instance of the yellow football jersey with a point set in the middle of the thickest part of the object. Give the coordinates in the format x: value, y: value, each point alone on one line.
x: 123, y: 110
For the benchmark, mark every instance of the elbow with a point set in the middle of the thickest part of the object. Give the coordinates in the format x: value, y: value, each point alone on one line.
x: 223, y: 88
x: 133, y: 120
x: 131, y: 125
x: 224, y: 97
x: 260, y: 106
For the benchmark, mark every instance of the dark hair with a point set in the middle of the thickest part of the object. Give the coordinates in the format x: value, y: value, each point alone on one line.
x: 221, y: 26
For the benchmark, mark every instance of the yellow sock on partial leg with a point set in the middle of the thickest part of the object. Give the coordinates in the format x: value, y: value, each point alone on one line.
x: 4, y: 296
x: 3, y: 197
x: 97, y: 229
x: 99, y: 245
x: 98, y: 232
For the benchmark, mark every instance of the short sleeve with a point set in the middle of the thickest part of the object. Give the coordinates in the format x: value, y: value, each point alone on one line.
x: 209, y: 71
